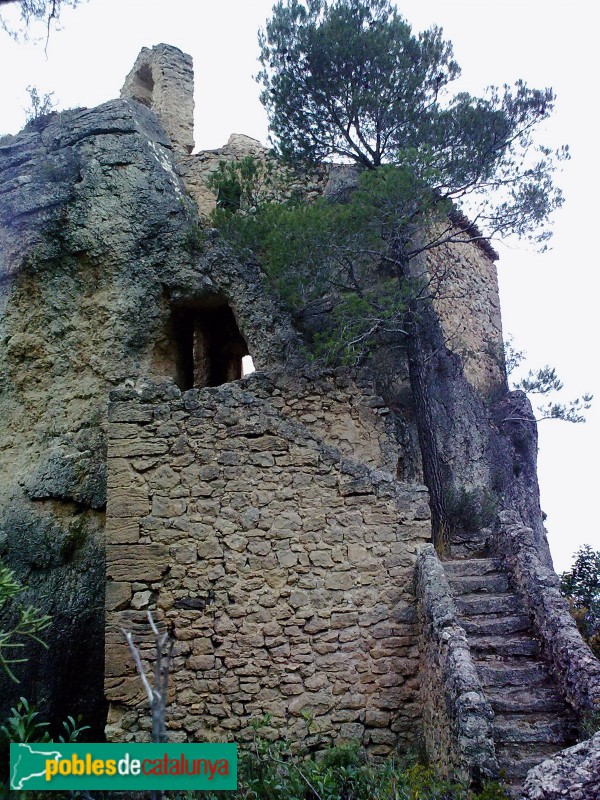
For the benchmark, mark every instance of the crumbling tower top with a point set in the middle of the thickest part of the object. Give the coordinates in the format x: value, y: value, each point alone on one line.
x: 163, y: 79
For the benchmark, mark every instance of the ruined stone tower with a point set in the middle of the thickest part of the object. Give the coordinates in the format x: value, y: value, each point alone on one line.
x: 278, y: 523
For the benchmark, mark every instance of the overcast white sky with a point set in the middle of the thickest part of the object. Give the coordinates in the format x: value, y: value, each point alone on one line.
x: 549, y: 301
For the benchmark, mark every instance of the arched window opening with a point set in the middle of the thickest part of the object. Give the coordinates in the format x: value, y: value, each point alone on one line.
x: 209, y: 347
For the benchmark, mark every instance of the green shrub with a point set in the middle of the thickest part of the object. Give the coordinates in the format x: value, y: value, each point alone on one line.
x: 269, y: 770
x: 470, y: 510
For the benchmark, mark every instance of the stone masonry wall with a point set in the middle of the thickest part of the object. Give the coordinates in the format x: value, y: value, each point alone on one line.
x: 196, y: 170
x: 467, y: 301
x: 352, y: 418
x: 457, y: 717
x: 284, y: 571
x: 162, y: 78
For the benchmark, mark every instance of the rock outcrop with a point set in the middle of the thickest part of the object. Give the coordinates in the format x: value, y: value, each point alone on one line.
x: 571, y: 775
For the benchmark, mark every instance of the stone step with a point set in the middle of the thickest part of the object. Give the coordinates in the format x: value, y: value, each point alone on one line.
x: 486, y: 625
x: 512, y: 673
x: 505, y: 646
x: 492, y: 583
x: 515, y: 761
x: 532, y: 728
x: 471, y: 566
x: 524, y: 700
x: 471, y: 604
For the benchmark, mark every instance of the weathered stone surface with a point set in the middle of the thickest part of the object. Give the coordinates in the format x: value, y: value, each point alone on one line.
x: 572, y: 663
x: 98, y: 243
x: 196, y: 171
x: 162, y: 78
x: 275, y: 522
x: 573, y: 774
x: 140, y: 562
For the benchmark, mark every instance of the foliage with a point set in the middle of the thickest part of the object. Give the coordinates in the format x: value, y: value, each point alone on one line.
x: 248, y: 183
x: 591, y: 721
x: 270, y: 771
x: 581, y: 586
x: 470, y: 510
x: 38, y: 105
x: 194, y: 239
x: 26, y: 622
x: 344, y: 251
x: 348, y: 80
x: 543, y: 382
x: 23, y: 725
x: 31, y: 11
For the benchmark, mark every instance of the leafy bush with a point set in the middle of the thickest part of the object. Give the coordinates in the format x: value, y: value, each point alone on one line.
x: 26, y: 622
x: 470, y: 510
x: 271, y: 771
x: 24, y: 725
x: 581, y: 586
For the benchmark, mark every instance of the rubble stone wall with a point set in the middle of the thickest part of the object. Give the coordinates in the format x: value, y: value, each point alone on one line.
x: 284, y: 572
x: 351, y: 417
x: 277, y: 183
x: 162, y: 78
x: 466, y: 298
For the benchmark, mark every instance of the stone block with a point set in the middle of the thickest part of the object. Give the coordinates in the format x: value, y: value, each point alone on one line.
x: 118, y: 595
x: 128, y: 412
x: 374, y: 718
x: 339, y: 581
x: 122, y: 530
x: 129, y: 502
x: 135, y: 448
x: 168, y: 507
x: 139, y: 562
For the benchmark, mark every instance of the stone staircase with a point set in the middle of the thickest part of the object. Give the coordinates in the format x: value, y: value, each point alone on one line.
x: 532, y: 719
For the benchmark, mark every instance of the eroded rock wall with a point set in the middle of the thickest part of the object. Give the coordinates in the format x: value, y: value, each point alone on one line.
x: 283, y: 570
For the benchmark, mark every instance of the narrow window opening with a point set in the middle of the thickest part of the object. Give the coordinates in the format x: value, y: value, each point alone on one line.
x: 209, y: 347
x: 143, y: 87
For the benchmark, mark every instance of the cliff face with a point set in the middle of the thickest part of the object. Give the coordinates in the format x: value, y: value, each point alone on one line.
x: 100, y: 249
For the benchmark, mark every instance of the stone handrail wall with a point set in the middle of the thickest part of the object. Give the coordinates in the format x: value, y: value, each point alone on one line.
x: 570, y: 659
x: 457, y: 717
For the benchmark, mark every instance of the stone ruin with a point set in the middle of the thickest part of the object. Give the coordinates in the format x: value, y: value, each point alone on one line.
x: 279, y: 522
